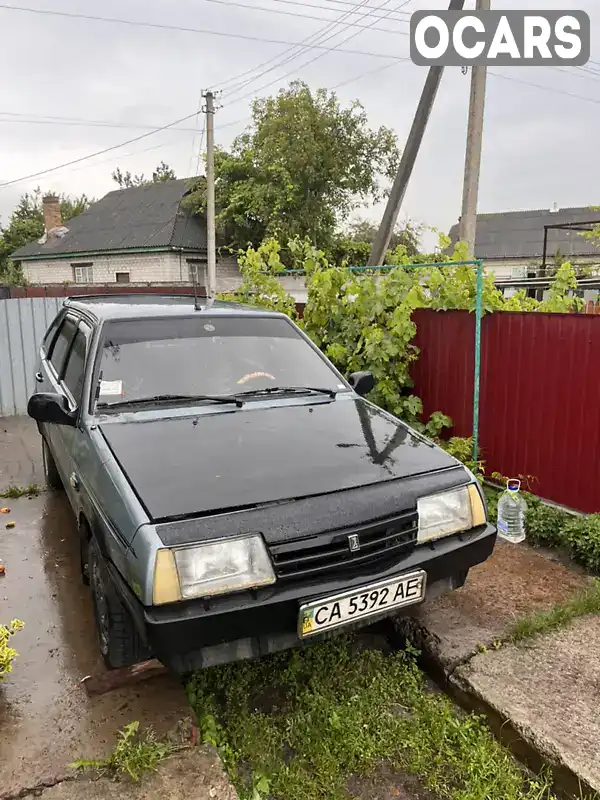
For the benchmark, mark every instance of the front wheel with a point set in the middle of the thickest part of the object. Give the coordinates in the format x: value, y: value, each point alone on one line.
x: 120, y: 642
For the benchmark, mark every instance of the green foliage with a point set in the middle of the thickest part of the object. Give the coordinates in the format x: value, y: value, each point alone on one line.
x: 299, y: 724
x: 134, y: 755
x: 559, y: 299
x: 407, y: 235
x: 26, y: 224
x: 259, y: 269
x: 13, y: 492
x: 7, y: 653
x: 584, y: 602
x: 302, y: 165
x: 462, y: 449
x: 544, y: 524
x: 582, y: 536
x: 126, y: 180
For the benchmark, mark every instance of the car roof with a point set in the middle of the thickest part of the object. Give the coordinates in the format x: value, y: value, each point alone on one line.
x: 132, y: 306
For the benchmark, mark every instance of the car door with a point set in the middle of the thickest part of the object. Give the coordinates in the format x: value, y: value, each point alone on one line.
x: 52, y: 370
x: 72, y: 439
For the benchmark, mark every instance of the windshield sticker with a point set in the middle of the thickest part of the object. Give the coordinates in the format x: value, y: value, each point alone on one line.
x: 111, y: 388
x: 208, y: 327
x: 341, y: 386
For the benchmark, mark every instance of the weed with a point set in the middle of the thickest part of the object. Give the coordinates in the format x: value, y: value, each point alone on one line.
x: 7, y: 653
x: 340, y: 717
x: 14, y: 492
x: 133, y: 755
x: 530, y: 625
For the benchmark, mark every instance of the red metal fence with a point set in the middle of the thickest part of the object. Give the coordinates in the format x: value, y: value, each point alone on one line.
x: 540, y: 394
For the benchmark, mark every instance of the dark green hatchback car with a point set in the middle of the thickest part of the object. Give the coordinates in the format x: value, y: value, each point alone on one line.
x: 234, y: 494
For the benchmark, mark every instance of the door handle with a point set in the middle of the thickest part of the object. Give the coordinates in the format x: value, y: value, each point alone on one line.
x: 74, y: 481
x: 39, y: 377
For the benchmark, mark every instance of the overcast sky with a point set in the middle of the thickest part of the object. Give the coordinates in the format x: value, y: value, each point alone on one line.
x: 540, y: 147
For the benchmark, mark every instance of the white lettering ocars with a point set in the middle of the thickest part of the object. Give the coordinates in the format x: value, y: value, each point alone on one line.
x: 440, y: 26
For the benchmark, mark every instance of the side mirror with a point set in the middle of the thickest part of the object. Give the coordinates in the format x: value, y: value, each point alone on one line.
x: 362, y: 382
x: 46, y: 407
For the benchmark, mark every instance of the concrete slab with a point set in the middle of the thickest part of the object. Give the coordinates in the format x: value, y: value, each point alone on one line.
x: 514, y: 581
x: 194, y: 774
x: 46, y: 718
x: 549, y: 690
x: 20, y: 453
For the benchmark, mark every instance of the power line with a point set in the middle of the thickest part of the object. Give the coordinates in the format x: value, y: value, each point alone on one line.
x: 204, y: 31
x: 34, y: 119
x: 545, y: 88
x: 319, y: 37
x: 310, y: 61
x: 230, y: 3
x: 97, y: 153
x: 289, y: 54
x: 338, y: 3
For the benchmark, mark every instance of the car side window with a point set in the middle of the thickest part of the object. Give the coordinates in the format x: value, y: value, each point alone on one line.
x: 75, y: 368
x: 51, y: 333
x: 62, y: 343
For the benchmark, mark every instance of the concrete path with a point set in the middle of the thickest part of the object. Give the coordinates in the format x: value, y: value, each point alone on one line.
x: 542, y: 696
x: 196, y: 773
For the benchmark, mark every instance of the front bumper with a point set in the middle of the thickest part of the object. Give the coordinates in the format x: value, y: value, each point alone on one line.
x: 202, y: 633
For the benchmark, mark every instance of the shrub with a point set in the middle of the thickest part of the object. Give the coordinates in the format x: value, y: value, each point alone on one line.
x: 545, y: 524
x: 582, y: 534
x: 7, y: 653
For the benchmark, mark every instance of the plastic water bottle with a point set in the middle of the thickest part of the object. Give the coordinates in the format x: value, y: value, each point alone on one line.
x: 511, y: 513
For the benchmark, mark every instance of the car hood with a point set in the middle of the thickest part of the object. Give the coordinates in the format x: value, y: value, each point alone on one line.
x: 222, y: 461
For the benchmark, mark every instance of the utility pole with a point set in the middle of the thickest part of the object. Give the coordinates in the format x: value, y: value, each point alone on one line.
x: 409, y: 156
x: 468, y: 219
x: 211, y: 289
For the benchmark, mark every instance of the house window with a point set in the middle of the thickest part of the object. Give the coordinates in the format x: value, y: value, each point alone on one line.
x: 122, y: 277
x: 83, y: 273
x: 196, y: 272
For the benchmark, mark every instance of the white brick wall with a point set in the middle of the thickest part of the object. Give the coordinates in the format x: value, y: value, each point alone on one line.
x: 142, y: 268
x: 146, y: 268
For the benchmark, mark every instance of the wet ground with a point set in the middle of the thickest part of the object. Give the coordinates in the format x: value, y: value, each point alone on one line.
x: 46, y: 718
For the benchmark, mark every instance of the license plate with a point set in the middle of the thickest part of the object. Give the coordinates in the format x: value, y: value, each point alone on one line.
x: 368, y: 601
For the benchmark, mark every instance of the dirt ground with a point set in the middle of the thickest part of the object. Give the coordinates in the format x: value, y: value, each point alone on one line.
x: 46, y: 718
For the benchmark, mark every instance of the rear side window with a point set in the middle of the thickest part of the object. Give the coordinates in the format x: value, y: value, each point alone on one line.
x: 74, y: 371
x: 62, y: 343
x: 50, y: 334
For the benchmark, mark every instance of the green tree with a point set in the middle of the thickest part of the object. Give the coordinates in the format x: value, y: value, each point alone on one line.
x: 26, y: 224
x: 303, y: 164
x: 126, y: 180
x: 407, y: 234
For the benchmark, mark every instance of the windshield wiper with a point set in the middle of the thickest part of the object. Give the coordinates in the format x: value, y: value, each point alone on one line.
x: 287, y: 390
x: 173, y: 398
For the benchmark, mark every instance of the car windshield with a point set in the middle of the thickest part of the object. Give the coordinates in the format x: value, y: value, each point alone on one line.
x: 202, y: 355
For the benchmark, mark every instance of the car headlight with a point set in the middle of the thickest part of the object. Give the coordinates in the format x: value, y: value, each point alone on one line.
x: 211, y: 568
x: 449, y: 512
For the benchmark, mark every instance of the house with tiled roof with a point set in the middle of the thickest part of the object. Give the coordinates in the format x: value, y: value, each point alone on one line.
x: 139, y: 235
x: 512, y: 242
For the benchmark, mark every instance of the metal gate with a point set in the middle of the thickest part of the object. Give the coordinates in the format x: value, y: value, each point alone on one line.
x: 23, y: 323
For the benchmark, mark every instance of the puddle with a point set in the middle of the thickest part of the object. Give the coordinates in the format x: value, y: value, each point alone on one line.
x: 46, y: 719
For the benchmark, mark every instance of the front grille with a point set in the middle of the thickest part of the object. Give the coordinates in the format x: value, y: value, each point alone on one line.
x: 382, y: 540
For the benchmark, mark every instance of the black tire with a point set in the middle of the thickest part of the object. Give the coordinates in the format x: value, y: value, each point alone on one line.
x: 84, y: 554
x: 120, y: 642
x: 53, y: 479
